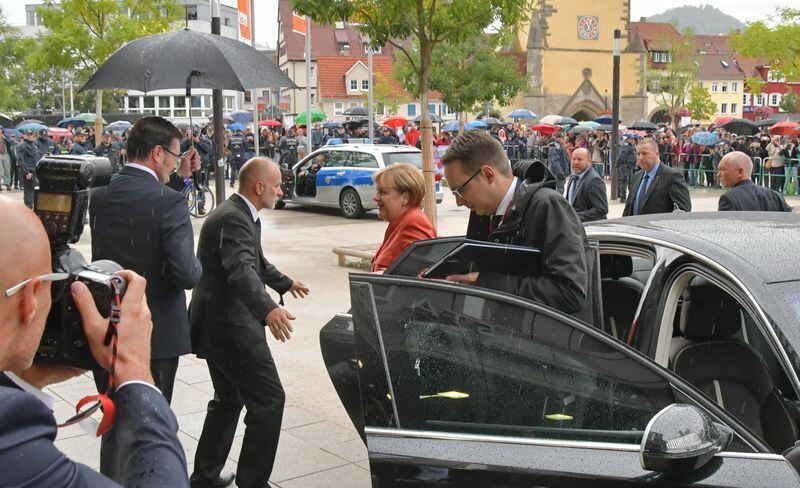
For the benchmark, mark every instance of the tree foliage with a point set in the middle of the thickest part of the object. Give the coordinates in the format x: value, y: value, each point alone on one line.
x: 671, y: 86
x: 467, y: 72
x: 701, y: 105
x: 789, y: 102
x: 777, y: 46
x: 429, y: 23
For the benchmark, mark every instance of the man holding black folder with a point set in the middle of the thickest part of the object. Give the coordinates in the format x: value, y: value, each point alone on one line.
x: 520, y: 207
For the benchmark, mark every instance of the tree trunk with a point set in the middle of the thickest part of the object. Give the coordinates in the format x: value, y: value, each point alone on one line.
x: 426, y: 130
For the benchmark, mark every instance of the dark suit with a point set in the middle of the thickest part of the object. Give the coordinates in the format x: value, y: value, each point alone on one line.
x: 145, y: 430
x: 667, y: 191
x: 144, y: 226
x: 227, y: 317
x: 748, y: 196
x: 590, y: 201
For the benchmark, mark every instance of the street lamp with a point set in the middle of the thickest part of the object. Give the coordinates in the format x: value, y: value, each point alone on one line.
x: 615, y: 114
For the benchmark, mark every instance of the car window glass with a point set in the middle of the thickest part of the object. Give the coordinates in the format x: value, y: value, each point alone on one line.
x: 465, y: 363
x: 623, y: 278
x: 414, y: 158
x: 337, y: 159
x: 363, y: 160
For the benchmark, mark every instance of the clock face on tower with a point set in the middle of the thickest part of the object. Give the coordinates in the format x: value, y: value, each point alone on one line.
x: 588, y: 27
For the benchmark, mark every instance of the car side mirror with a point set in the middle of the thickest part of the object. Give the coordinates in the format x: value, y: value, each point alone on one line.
x: 680, y: 439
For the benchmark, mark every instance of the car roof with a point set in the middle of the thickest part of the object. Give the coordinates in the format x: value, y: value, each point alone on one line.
x: 759, y: 244
x: 372, y: 148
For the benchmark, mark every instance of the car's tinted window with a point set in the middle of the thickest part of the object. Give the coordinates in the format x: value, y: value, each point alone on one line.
x: 337, y: 159
x: 463, y: 363
x: 414, y: 158
x: 363, y: 160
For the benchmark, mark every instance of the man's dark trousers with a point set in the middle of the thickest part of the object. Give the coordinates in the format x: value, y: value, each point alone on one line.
x: 28, y: 186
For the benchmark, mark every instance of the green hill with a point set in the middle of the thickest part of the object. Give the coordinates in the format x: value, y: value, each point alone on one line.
x: 705, y: 19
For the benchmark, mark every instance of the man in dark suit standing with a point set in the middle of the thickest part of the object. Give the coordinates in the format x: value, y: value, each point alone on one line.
x: 145, y: 429
x: 656, y: 188
x: 229, y: 310
x: 586, y: 190
x: 144, y: 226
x: 735, y: 170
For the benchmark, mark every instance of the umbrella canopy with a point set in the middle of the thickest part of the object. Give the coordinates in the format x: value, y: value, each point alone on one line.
x: 434, y: 118
x: 545, y: 128
x: 451, y: 126
x: 242, y: 116
x: 237, y: 126
x: 521, y: 113
x: 73, y: 121
x: 493, y: 121
x: 31, y: 127
x: 720, y: 121
x: 643, y: 125
x: 566, y: 121
x: 395, y: 121
x: 580, y: 129
x: 741, y: 127
x: 784, y: 129
x: 705, y: 138
x: 550, y: 119
x: 603, y: 128
x: 6, y: 121
x: 331, y: 124
x: 269, y: 123
x: 118, y: 126
x: 358, y: 111
x: 590, y: 123
x: 165, y: 61
x: 317, y: 115
x: 767, y: 122
x: 604, y: 119
x: 89, y: 118
x: 28, y: 121
x: 476, y: 124
x: 58, y: 132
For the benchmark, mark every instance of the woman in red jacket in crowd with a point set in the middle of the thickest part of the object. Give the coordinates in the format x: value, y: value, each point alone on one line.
x: 399, y: 191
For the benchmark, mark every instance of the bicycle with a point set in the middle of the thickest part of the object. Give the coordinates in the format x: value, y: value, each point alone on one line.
x: 199, y: 197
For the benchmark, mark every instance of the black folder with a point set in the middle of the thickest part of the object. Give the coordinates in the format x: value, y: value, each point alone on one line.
x: 471, y: 256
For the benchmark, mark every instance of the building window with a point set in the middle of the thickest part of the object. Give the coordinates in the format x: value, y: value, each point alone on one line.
x: 745, y: 99
x: 759, y: 100
x: 432, y: 108
x: 724, y: 88
x: 734, y: 86
x: 164, y: 102
x: 734, y: 108
x: 191, y: 12
x: 229, y: 103
x: 180, y: 107
x: 714, y: 87
x: 412, y: 110
x: 354, y: 104
x: 313, y: 73
x: 227, y: 21
x: 353, y: 85
x: 723, y: 108
x: 313, y: 99
x: 133, y: 102
x: 338, y: 108
x: 365, y: 85
x: 773, y: 99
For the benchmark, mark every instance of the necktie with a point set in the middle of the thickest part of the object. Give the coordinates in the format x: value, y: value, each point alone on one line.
x: 573, y: 187
x: 642, y: 193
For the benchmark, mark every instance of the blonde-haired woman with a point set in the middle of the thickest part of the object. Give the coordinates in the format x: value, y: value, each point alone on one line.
x: 399, y: 192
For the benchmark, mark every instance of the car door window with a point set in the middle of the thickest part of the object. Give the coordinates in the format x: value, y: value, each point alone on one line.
x: 474, y: 361
x: 363, y: 160
x: 337, y: 159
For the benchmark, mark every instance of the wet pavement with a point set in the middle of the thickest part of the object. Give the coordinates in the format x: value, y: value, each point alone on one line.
x: 318, y: 445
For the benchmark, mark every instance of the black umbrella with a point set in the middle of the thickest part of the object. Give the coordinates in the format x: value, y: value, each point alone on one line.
x: 767, y: 122
x: 580, y: 129
x: 566, y: 121
x: 603, y: 128
x: 493, y: 121
x: 6, y: 121
x: 643, y: 125
x: 180, y: 58
x: 741, y: 127
x: 434, y: 118
x: 357, y: 111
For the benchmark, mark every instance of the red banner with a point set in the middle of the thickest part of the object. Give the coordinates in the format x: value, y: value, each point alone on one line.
x: 298, y: 23
x: 245, y: 18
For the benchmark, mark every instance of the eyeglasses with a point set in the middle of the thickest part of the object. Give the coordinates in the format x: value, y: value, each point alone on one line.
x: 177, y: 156
x: 45, y: 277
x: 459, y: 192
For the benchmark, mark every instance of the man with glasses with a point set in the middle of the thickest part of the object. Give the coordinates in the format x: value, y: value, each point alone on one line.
x: 144, y: 225
x: 521, y: 208
x: 144, y: 424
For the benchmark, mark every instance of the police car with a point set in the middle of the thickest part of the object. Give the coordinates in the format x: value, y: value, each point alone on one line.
x: 339, y: 175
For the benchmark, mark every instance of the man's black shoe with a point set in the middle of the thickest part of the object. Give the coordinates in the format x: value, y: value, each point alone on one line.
x: 224, y: 479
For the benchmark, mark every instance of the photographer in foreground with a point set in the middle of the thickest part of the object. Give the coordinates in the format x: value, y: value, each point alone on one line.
x: 146, y: 449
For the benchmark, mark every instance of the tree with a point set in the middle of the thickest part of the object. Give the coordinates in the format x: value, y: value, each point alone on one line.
x: 701, y: 105
x: 671, y: 86
x: 776, y: 46
x: 468, y: 72
x: 789, y: 102
x: 81, y: 34
x: 429, y: 23
x: 384, y: 95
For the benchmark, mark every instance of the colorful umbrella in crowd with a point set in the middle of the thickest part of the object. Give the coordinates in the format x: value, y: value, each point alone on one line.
x: 451, y: 126
x: 58, y: 132
x: 590, y: 123
x: 73, y: 121
x: 317, y: 115
x: 28, y: 121
x: 521, y: 113
x: 545, y: 128
x: 89, y: 118
x: 604, y: 119
x: 119, y: 126
x: 242, y: 116
x: 740, y: 127
x: 550, y: 119
x: 476, y: 124
x: 784, y: 129
x: 395, y: 121
x: 720, y: 121
x: 236, y: 126
x: 31, y: 127
x: 705, y: 138
x: 269, y: 123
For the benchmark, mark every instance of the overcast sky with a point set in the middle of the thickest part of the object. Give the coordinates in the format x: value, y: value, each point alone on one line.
x: 267, y: 29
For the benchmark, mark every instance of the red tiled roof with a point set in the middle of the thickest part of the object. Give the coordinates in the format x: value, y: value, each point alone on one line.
x: 332, y: 70
x: 324, y: 38
x: 712, y: 67
x: 749, y: 66
x: 656, y: 36
x: 712, y: 44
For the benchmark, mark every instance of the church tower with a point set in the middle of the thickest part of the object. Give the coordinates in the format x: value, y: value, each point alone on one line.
x: 569, y: 47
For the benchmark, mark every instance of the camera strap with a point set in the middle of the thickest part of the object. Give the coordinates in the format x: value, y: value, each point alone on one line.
x: 102, y: 400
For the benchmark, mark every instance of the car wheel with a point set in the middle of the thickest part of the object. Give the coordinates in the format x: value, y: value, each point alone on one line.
x: 350, y: 204
x: 279, y: 204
